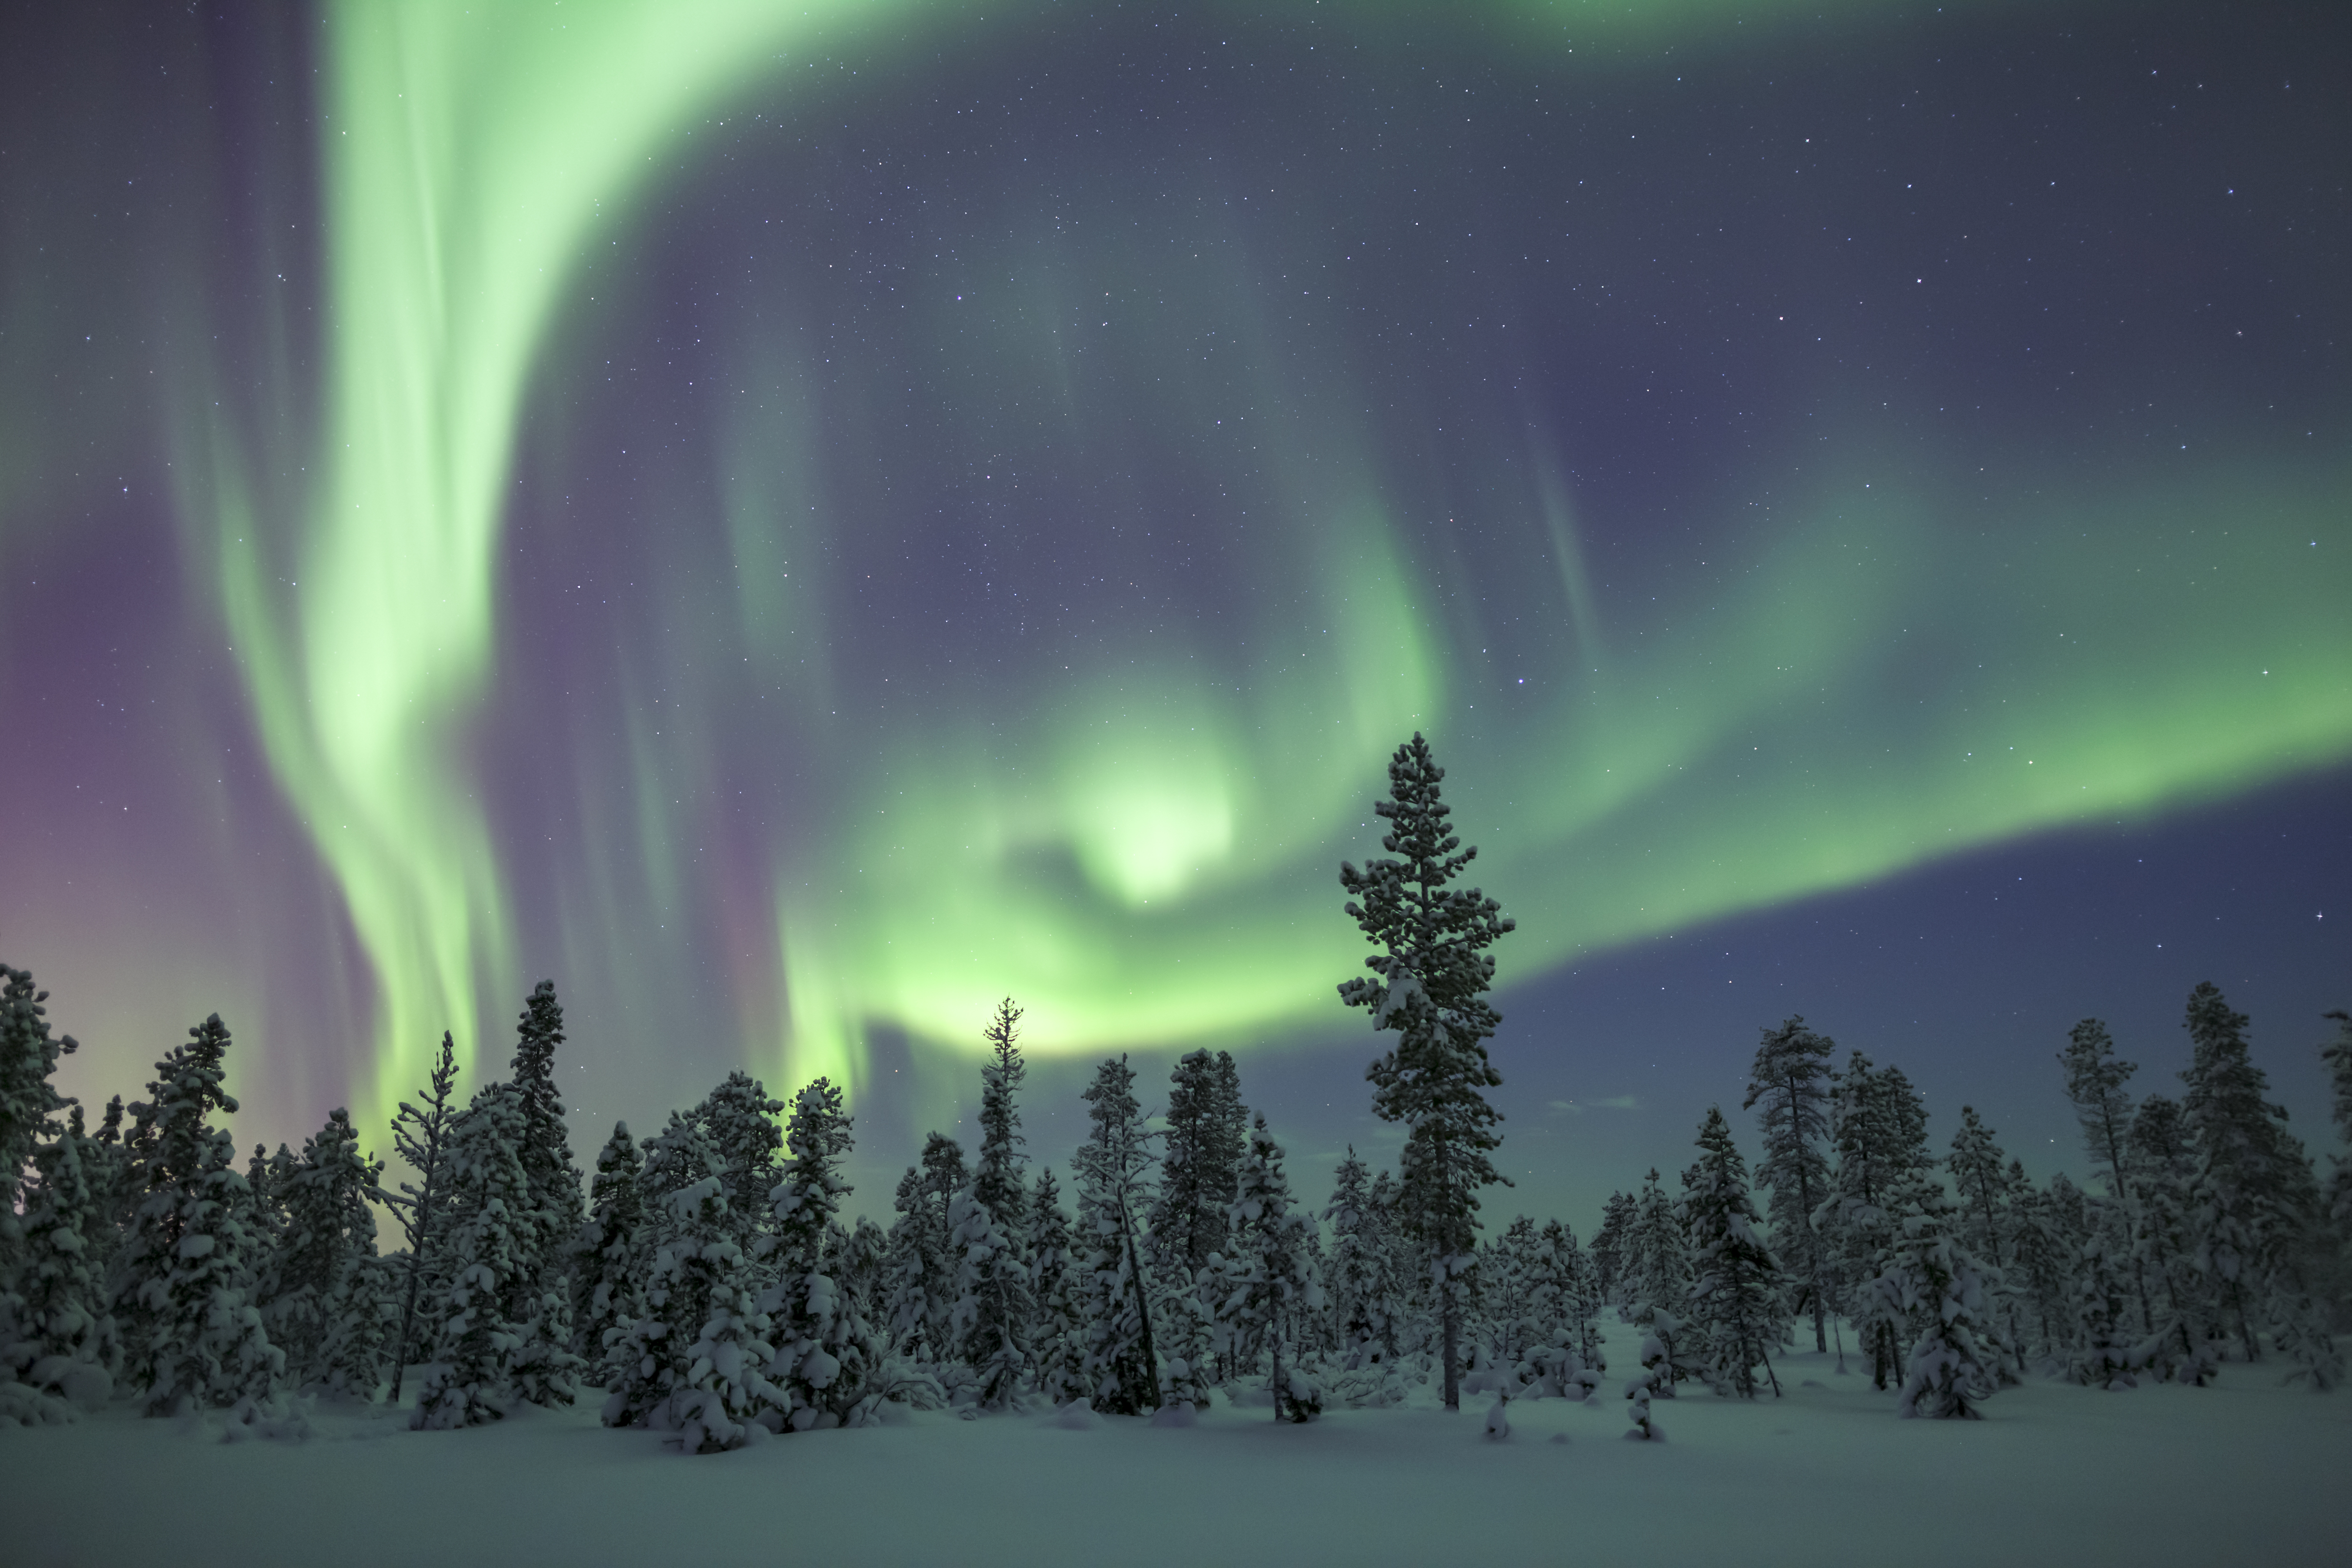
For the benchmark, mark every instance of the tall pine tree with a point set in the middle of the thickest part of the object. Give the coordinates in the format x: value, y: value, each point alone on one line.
x: 185, y: 1286
x: 552, y: 1181
x: 2250, y: 1173
x: 1881, y: 1130
x: 2096, y: 1077
x: 1431, y: 972
x: 994, y: 1306
x: 826, y: 1355
x: 1789, y: 1090
x: 1116, y: 1171
x: 1735, y: 1299
x: 485, y: 1321
x: 325, y: 1311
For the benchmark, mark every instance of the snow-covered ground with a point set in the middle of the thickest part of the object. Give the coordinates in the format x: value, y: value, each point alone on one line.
x: 2245, y: 1472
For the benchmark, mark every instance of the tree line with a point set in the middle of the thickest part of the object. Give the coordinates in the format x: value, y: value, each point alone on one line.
x: 705, y: 1281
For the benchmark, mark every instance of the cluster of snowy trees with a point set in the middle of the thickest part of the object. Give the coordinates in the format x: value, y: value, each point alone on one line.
x: 139, y: 1256
x: 2209, y: 1238
x: 710, y: 1285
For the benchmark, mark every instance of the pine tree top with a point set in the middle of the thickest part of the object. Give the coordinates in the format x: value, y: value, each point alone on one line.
x: 1429, y: 938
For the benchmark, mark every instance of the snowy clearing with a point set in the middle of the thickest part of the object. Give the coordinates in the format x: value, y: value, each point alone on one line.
x: 2243, y: 1471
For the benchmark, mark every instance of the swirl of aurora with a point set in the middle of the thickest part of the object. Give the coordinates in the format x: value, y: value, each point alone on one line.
x: 870, y: 509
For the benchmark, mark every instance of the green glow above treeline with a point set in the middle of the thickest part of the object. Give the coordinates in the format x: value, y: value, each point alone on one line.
x: 1141, y: 846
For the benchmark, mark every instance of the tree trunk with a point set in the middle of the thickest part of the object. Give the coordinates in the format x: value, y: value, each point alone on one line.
x: 1453, y: 1317
x: 1142, y: 1301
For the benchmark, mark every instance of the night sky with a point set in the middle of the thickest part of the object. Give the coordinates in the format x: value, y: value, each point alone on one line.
x: 798, y: 525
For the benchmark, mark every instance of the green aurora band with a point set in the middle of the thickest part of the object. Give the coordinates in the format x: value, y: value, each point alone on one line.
x: 1147, y: 857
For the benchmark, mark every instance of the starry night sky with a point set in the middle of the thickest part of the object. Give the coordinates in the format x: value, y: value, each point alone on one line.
x: 797, y: 526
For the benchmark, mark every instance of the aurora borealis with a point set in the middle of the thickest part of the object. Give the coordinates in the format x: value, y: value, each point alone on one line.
x: 798, y: 525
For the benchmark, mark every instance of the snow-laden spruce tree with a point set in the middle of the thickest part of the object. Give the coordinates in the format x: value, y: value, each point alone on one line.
x: 1985, y: 1194
x: 2106, y: 1349
x: 185, y: 1285
x: 1431, y: 973
x: 1570, y: 1297
x: 551, y: 1181
x: 482, y: 1257
x: 264, y: 1217
x: 1789, y: 1090
x: 739, y: 1119
x: 1114, y: 1170
x: 1268, y: 1288
x: 420, y: 1136
x: 1205, y: 1132
x: 1735, y: 1299
x: 1527, y: 1283
x: 1656, y: 1267
x: 997, y: 1181
x: 697, y: 1362
x: 922, y: 1270
x: 495, y: 1344
x: 1880, y: 1127
x: 856, y: 1258
x: 827, y: 1359
x: 58, y: 1343
x: 995, y: 1310
x: 2163, y: 1244
x: 1608, y: 1247
x: 324, y: 1312
x: 45, y: 1262
x: 1934, y: 1284
x: 2095, y: 1079
x: 678, y: 1158
x: 2041, y: 1267
x: 1654, y: 1260
x: 1058, y: 1337
x: 1509, y: 1314
x: 29, y: 1100
x: 612, y: 1253
x: 114, y: 1178
x: 1360, y: 1279
x: 1200, y: 1144
x: 2252, y: 1195
x: 989, y: 1322
x: 913, y: 1263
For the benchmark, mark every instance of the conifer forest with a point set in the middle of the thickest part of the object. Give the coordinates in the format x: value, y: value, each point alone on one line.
x: 704, y: 1285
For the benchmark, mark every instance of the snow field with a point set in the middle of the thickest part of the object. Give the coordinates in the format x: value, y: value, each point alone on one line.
x: 2242, y: 1472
